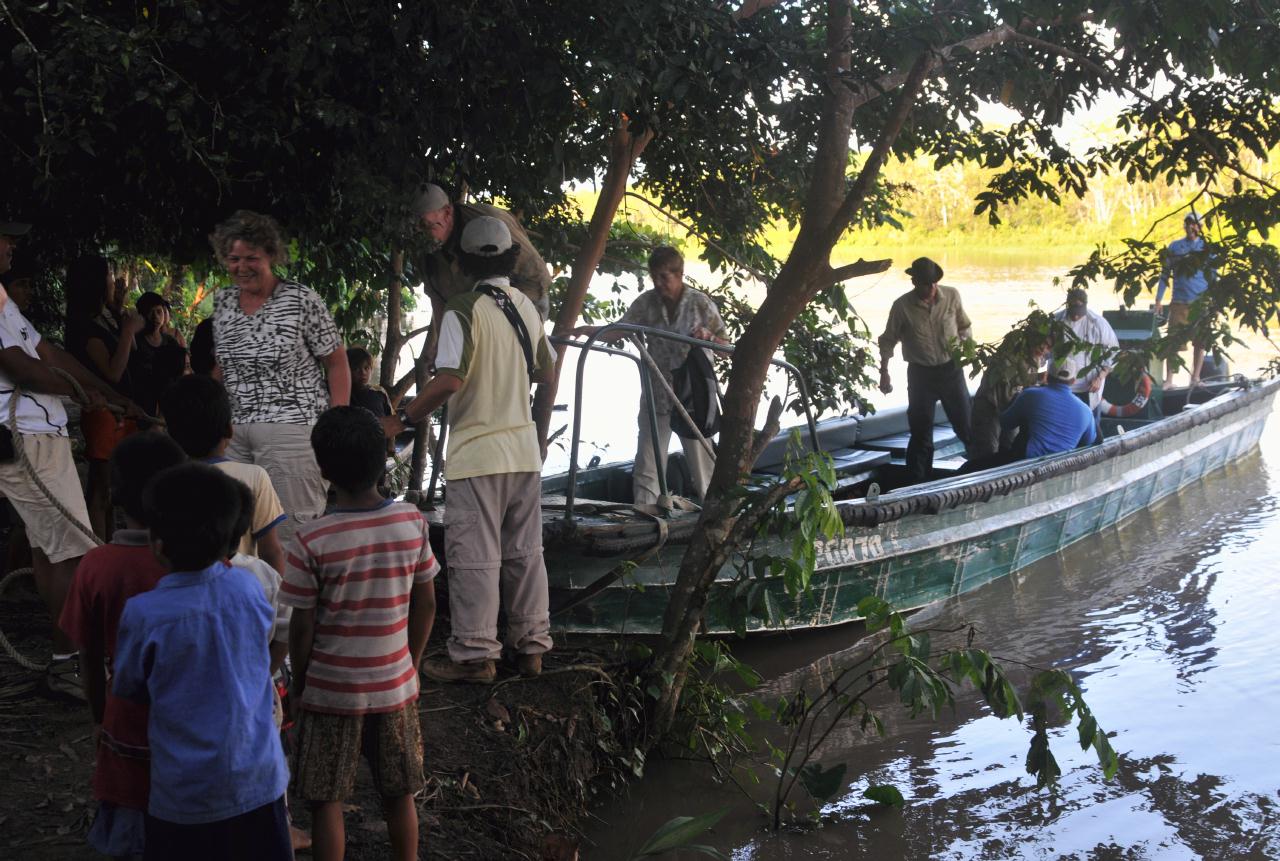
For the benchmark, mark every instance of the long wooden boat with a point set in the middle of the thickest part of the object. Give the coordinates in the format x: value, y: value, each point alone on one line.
x: 612, y: 566
x: 912, y: 545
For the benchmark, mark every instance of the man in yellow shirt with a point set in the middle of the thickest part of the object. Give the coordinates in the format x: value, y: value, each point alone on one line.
x: 927, y: 322
x: 492, y: 347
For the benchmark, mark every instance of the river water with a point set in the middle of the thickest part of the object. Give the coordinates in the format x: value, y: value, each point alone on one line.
x: 1166, y: 622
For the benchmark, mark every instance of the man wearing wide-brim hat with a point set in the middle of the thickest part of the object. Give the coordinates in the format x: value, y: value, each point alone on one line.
x: 928, y: 322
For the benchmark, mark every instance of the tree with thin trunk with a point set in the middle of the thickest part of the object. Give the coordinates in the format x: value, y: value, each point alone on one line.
x: 950, y: 55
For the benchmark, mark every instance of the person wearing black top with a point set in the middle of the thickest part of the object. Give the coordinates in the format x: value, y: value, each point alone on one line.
x: 372, y: 398
x: 159, y: 358
x: 103, y: 343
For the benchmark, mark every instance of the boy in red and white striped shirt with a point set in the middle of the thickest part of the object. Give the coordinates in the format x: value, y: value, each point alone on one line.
x: 360, y: 582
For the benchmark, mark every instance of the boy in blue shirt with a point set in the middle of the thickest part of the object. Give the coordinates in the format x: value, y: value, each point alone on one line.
x: 195, y: 648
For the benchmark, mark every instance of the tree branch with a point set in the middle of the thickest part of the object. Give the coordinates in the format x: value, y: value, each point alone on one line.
x: 751, y: 7
x: 894, y: 80
x: 911, y: 87
x: 772, y: 424
x: 1210, y: 144
x: 858, y: 269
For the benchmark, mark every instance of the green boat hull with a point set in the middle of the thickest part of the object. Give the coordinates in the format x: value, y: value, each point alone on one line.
x: 938, y: 540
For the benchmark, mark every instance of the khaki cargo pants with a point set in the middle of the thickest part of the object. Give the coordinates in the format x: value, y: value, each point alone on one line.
x: 493, y: 547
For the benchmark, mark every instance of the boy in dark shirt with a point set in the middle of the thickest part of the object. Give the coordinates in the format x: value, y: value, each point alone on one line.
x: 105, y: 579
x: 195, y: 649
x: 372, y: 398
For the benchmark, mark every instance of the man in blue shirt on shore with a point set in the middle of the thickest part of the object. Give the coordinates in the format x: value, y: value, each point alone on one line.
x: 1052, y: 418
x: 1186, y: 260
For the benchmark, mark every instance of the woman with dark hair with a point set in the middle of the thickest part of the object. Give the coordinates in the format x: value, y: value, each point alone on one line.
x: 159, y: 356
x: 103, y: 343
x: 282, y: 362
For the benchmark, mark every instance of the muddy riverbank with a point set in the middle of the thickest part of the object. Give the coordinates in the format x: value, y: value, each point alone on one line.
x: 511, y: 769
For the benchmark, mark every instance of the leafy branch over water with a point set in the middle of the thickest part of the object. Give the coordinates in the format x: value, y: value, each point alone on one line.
x: 926, y: 682
x: 897, y: 658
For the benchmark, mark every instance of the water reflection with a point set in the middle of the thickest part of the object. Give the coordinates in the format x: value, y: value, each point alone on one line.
x: 1168, y: 625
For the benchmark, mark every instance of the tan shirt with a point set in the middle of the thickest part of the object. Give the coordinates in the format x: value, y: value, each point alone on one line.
x: 925, y: 331
x: 443, y: 278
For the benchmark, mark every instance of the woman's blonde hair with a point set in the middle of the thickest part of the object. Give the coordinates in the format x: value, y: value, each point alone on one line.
x: 251, y: 228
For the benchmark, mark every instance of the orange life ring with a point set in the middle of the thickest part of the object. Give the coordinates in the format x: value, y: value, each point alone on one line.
x: 1140, y: 398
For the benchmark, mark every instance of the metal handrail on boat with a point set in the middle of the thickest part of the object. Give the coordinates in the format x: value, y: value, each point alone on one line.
x: 590, y: 345
x: 577, y: 413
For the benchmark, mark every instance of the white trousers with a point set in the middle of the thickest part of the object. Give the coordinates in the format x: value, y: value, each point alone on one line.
x: 645, y: 473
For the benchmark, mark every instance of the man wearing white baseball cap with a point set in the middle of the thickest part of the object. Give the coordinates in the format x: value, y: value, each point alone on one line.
x: 492, y: 348
x: 1052, y: 418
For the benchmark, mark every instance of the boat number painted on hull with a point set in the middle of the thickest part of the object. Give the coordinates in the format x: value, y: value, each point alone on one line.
x: 848, y: 550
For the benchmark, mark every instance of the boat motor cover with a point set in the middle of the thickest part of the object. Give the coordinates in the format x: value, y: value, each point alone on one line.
x: 694, y: 383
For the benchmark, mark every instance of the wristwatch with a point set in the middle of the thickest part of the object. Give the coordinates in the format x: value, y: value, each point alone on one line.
x: 403, y: 415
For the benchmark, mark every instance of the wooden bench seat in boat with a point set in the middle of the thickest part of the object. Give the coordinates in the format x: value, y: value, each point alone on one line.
x: 846, y: 460
x: 943, y: 437
x: 833, y: 434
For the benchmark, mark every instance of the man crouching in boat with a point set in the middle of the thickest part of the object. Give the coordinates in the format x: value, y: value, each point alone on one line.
x: 1051, y: 417
x: 926, y: 321
x: 492, y: 346
x: 672, y: 307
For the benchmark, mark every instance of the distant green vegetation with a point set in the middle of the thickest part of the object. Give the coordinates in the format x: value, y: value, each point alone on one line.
x: 935, y: 211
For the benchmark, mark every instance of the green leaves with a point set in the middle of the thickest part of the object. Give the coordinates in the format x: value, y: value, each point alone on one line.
x: 822, y: 783
x: 884, y: 794
x: 1054, y: 692
x: 678, y: 833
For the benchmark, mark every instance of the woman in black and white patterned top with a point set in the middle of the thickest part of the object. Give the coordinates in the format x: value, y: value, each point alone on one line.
x: 282, y: 362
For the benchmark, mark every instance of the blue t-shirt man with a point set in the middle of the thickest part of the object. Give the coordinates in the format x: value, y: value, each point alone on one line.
x: 1052, y: 417
x: 1188, y: 282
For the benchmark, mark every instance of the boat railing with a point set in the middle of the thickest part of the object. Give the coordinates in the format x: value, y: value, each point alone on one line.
x: 590, y: 345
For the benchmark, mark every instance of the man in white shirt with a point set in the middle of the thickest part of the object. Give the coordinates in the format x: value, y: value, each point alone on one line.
x: 57, y: 543
x: 1092, y: 330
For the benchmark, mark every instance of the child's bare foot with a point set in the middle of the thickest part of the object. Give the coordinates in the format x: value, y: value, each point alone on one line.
x: 301, y: 839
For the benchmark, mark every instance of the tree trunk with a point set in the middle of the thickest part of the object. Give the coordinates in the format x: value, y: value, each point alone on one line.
x: 623, y: 152
x: 828, y: 213
x: 395, y: 325
x: 421, y: 435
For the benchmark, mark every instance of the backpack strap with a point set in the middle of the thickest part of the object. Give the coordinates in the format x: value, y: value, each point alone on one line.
x: 508, y: 308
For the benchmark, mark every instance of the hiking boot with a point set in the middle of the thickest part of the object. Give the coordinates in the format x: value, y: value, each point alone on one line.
x: 62, y: 678
x: 445, y: 670
x: 529, y: 665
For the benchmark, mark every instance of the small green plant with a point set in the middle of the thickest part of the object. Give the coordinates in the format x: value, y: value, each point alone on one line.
x: 783, y: 549
x: 925, y: 681
x: 679, y: 833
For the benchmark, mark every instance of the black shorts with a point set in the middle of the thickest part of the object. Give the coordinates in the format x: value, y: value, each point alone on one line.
x: 261, y: 833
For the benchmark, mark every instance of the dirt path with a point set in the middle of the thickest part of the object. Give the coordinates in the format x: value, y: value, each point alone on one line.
x: 510, y: 768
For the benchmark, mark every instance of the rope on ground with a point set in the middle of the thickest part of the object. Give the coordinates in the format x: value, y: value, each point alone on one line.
x: 9, y: 648
x: 20, y: 456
